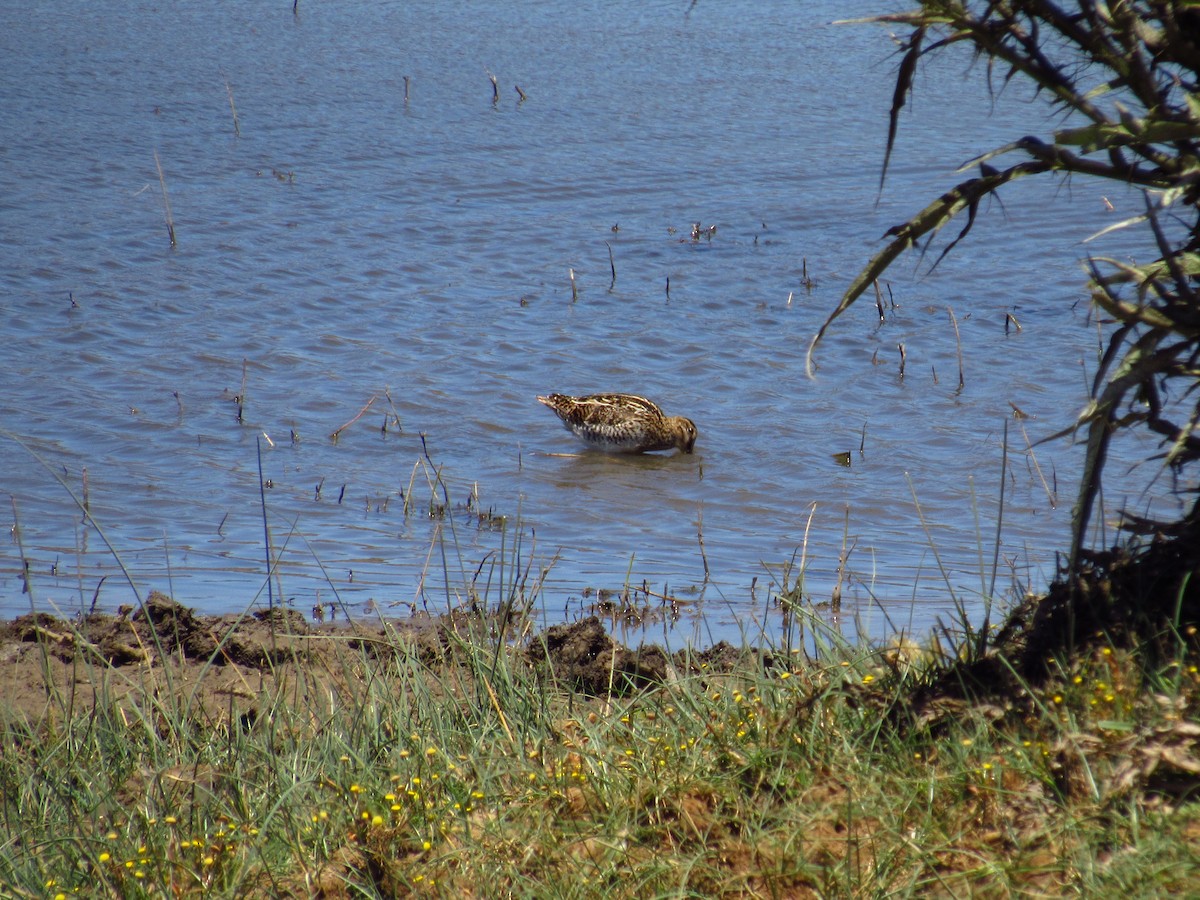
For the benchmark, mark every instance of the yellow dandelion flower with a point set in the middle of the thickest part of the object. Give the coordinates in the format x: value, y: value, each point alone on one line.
x: 784, y: 676
x: 104, y: 857
x: 355, y: 789
x: 867, y: 679
x: 425, y: 845
x: 376, y: 820
x: 431, y: 751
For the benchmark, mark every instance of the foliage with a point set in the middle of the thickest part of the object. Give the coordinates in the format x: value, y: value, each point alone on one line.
x: 372, y: 769
x: 1125, y: 75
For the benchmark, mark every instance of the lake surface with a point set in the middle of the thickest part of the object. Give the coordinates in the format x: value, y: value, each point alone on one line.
x: 374, y: 226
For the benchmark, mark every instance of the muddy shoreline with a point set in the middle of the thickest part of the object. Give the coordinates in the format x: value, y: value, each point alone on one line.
x: 223, y: 661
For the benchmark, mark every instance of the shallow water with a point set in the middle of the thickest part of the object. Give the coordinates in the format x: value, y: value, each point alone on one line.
x: 349, y: 243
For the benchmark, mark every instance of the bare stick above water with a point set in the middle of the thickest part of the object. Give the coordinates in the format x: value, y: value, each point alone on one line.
x: 338, y: 432
x: 958, y: 344
x: 237, y: 130
x: 166, y: 200
x: 495, y: 88
x: 612, y: 265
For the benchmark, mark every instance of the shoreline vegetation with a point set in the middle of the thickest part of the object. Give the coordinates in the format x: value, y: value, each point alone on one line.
x: 164, y: 753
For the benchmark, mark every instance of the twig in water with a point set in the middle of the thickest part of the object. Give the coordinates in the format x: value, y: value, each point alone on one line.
x: 338, y: 432
x: 668, y: 287
x: 262, y: 497
x: 237, y: 130
x: 958, y: 344
x: 862, y: 444
x: 166, y: 200
x: 574, y: 289
x: 521, y: 92
x: 240, y: 399
x: 1051, y: 495
x: 1010, y: 318
x: 700, y: 538
x: 612, y: 265
x: 395, y: 417
x: 495, y: 89
x: 86, y: 500
x: 406, y: 80
x: 879, y: 301
x: 903, y: 359
x: 808, y: 283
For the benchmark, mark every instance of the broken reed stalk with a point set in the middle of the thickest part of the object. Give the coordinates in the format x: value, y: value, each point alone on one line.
x: 392, y: 406
x: 879, y: 300
x: 338, y: 432
x: 1009, y: 318
x: 162, y: 181
x: 237, y: 129
x: 240, y: 399
x: 958, y: 345
x: 574, y: 289
x: 903, y: 359
x: 1052, y: 496
x: 521, y: 93
x: 406, y: 90
x: 495, y: 88
x: 86, y: 491
x: 835, y: 602
x: 262, y: 497
x: 612, y: 265
x: 700, y: 538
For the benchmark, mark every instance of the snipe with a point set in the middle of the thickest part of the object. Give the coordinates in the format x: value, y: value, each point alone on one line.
x: 622, y: 423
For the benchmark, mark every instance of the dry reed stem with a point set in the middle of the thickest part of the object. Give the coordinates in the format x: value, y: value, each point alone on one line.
x: 1052, y: 496
x: 958, y: 345
x: 162, y: 181
x: 337, y: 432
x: 237, y: 129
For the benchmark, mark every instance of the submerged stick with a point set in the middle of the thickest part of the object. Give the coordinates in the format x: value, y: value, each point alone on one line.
x: 162, y: 181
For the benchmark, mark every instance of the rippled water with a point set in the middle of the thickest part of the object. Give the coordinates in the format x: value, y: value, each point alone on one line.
x: 350, y: 242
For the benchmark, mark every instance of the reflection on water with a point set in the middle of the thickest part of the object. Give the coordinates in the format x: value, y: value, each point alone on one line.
x: 349, y: 243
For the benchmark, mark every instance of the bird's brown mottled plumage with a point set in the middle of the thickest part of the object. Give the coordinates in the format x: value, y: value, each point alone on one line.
x: 622, y: 423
